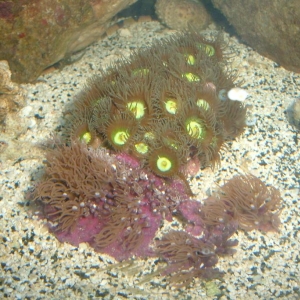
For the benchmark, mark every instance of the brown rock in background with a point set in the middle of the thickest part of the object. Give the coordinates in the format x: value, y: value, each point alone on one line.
x: 271, y: 27
x: 36, y: 34
x: 181, y: 14
x: 12, y: 96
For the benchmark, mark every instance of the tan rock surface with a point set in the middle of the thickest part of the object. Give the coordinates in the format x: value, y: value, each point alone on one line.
x: 36, y: 34
x: 182, y: 14
x: 12, y: 96
x: 271, y: 27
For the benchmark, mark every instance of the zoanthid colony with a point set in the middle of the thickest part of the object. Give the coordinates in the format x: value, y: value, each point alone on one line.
x: 136, y: 131
x: 161, y: 106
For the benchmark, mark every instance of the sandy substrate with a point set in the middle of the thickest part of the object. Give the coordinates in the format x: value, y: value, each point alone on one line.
x: 34, y: 265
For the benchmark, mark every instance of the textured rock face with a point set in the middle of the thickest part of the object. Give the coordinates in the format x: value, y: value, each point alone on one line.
x: 271, y: 27
x: 36, y: 34
x: 180, y: 14
x: 12, y: 96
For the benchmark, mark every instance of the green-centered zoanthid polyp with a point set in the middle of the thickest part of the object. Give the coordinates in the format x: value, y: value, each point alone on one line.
x: 120, y: 130
x: 141, y: 148
x: 195, y: 128
x: 137, y: 108
x: 171, y: 105
x: 164, y: 162
x: 161, y: 104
